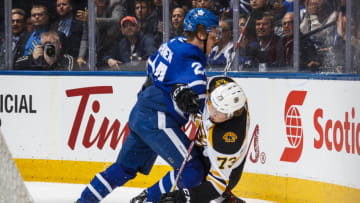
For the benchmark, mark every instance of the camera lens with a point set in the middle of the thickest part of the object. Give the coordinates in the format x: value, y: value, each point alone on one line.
x: 50, y: 50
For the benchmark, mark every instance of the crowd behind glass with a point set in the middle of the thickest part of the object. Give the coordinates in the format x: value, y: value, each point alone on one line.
x: 54, y: 35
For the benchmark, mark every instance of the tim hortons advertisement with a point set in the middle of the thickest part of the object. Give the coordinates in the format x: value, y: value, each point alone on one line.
x: 308, y: 129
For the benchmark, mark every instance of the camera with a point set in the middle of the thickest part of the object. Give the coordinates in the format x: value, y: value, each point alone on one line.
x: 49, y: 49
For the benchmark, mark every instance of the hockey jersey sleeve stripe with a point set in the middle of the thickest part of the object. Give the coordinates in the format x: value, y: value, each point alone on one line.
x: 218, y: 176
x: 220, y: 187
x: 210, y: 136
x: 161, y: 120
x: 176, y: 141
x: 202, y: 96
x: 197, y: 82
x: 215, y: 173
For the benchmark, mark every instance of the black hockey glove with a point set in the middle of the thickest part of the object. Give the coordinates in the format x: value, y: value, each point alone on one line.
x: 178, y: 196
x: 186, y: 99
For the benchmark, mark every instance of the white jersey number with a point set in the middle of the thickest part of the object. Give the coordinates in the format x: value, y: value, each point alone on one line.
x: 161, y: 71
x: 197, y: 66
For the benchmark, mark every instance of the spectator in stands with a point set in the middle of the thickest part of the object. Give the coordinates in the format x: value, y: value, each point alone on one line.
x: 214, y: 6
x: 221, y: 53
x: 309, y: 59
x: 157, y: 13
x: 244, y: 6
x: 19, y: 35
x: 135, y: 46
x: 203, y: 4
x: 47, y: 56
x: 68, y: 25
x: 29, y: 25
x: 185, y: 4
x: 144, y: 17
x: 246, y: 38
x: 176, y: 27
x: 108, y: 12
x: 40, y: 22
x: 264, y: 51
x: 340, y: 43
x: 318, y: 14
x: 260, y: 5
x: 108, y: 16
x: 177, y: 22
x: 157, y: 9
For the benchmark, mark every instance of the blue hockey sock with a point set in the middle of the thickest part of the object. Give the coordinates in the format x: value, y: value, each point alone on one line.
x: 162, y: 186
x: 192, y: 176
x: 104, y: 183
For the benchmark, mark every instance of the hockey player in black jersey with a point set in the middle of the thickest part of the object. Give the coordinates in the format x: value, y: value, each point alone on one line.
x: 224, y: 142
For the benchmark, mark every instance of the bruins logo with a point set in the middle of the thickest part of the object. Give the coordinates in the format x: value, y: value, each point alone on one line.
x: 220, y: 82
x: 230, y: 137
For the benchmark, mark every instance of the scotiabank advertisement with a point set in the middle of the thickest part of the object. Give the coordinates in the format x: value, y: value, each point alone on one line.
x: 307, y: 129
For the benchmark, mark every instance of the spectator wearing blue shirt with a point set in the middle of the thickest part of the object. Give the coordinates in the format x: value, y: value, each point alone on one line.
x: 40, y: 21
x: 221, y: 53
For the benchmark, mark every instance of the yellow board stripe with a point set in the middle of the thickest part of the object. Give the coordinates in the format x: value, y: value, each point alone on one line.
x: 251, y: 185
x: 80, y: 172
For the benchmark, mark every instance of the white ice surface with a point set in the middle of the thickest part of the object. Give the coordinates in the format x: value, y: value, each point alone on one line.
x: 68, y: 193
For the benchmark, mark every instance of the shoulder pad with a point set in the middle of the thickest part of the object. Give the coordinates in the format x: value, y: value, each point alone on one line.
x: 186, y: 50
x: 228, y: 137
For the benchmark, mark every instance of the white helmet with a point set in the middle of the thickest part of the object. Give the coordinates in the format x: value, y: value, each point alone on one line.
x: 228, y: 98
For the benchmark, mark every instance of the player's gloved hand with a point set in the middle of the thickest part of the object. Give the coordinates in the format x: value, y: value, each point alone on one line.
x: 186, y: 99
x: 178, y: 196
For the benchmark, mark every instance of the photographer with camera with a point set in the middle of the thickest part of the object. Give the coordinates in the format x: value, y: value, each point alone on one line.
x: 48, y: 55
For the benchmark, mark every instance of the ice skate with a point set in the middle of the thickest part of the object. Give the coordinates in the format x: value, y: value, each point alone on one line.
x: 141, y: 198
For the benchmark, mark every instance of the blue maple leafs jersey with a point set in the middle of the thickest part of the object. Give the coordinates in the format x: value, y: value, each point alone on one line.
x: 178, y: 62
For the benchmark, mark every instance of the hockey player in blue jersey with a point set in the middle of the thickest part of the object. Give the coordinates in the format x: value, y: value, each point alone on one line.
x: 175, y: 89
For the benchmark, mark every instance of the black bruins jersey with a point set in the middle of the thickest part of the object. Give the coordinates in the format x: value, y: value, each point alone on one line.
x: 224, y: 145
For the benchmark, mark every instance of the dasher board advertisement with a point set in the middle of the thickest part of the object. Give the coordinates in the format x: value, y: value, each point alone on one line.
x: 306, y: 129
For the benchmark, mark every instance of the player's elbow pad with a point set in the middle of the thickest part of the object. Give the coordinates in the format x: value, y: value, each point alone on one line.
x: 186, y: 99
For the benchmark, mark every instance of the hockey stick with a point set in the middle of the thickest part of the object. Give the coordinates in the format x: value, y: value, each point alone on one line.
x: 227, y: 67
x: 185, y: 159
x: 318, y: 29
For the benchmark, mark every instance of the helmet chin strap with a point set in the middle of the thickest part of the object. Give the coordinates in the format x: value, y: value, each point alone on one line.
x: 229, y: 115
x: 205, y: 41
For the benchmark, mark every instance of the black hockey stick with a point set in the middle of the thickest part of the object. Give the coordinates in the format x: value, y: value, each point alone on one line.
x: 318, y: 29
x: 185, y: 159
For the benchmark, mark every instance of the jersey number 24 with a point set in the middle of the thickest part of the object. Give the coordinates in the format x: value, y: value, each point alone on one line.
x: 160, y: 70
